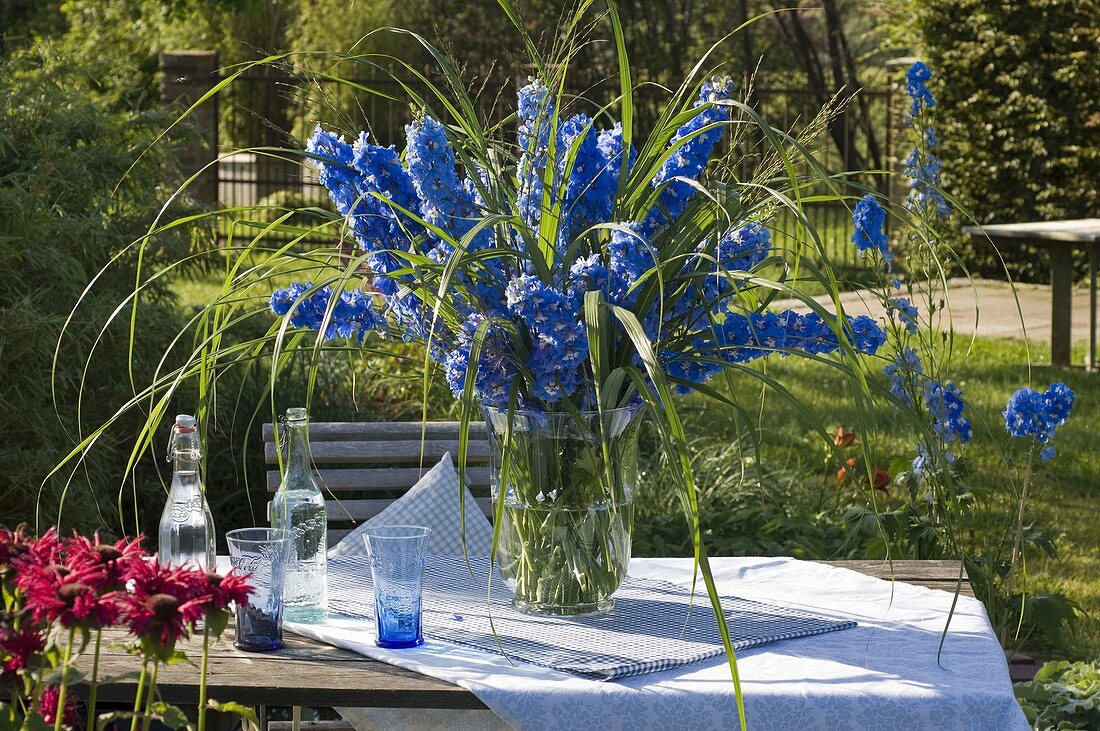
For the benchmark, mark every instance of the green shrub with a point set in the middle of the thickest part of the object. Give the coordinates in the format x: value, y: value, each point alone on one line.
x: 69, y: 202
x: 1019, y: 100
x: 1063, y: 696
x: 748, y: 508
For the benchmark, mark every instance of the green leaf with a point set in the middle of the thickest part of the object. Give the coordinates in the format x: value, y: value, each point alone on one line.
x: 175, y: 657
x: 245, y: 712
x: 170, y: 716
x: 217, y: 621
x: 35, y: 722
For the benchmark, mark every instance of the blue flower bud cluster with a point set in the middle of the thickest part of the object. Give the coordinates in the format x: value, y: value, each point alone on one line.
x: 741, y: 338
x: 447, y: 201
x: 360, y: 179
x: 740, y: 249
x: 922, y: 167
x: 1031, y: 413
x: 923, y: 171
x: 904, y: 372
x: 496, y: 371
x: 535, y: 111
x: 943, y: 402
x: 945, y: 407
x: 559, y: 345
x: 916, y: 78
x: 869, y: 219
x: 353, y: 313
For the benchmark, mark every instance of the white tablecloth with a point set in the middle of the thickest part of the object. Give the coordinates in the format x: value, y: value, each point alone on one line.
x: 884, y: 674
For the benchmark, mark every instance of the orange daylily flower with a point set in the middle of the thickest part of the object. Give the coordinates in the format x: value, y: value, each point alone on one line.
x: 844, y: 437
x: 842, y: 474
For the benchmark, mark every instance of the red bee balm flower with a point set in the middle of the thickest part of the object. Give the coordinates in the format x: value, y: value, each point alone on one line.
x: 17, y: 647
x: 165, y: 602
x: 56, y: 594
x: 46, y: 550
x: 233, y: 588
x: 14, y: 546
x: 107, y: 566
x: 47, y: 706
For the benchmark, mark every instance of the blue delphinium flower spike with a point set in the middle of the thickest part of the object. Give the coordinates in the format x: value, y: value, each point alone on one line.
x: 693, y: 151
x: 447, y: 203
x: 869, y: 220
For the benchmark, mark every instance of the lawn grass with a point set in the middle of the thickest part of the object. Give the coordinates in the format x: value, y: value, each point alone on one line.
x: 1066, y: 491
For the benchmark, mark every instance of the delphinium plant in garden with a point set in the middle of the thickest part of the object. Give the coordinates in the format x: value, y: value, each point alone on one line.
x: 61, y: 594
x: 940, y: 500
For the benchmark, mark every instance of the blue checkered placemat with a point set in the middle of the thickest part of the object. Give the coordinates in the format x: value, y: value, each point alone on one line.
x: 654, y: 626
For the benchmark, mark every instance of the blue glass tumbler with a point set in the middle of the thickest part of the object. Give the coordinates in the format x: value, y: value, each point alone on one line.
x: 397, y: 569
x: 262, y: 553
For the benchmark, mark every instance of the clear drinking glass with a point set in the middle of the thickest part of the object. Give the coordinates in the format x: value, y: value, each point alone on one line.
x: 263, y: 553
x: 397, y: 569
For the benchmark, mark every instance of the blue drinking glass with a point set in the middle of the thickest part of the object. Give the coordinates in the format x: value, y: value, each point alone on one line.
x: 262, y: 553
x: 397, y: 568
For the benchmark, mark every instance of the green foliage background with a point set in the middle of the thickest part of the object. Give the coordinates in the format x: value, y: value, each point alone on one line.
x: 1019, y: 112
x: 62, y: 219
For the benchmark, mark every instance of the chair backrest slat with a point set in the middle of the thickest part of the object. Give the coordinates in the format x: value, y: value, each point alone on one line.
x: 366, y: 466
x: 403, y: 451
x: 380, y: 479
x: 382, y: 431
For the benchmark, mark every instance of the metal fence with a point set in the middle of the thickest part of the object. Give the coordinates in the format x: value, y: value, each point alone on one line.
x: 261, y: 114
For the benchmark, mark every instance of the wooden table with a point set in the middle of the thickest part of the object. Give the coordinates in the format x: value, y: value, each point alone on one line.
x: 309, y: 673
x: 1061, y: 238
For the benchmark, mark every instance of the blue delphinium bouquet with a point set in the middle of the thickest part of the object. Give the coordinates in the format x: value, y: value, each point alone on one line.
x: 562, y: 276
x: 677, y: 259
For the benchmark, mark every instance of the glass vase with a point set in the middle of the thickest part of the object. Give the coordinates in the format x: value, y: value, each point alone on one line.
x: 566, y: 481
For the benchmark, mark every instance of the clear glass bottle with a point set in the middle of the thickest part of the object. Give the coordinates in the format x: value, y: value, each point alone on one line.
x: 299, y: 507
x: 186, y: 525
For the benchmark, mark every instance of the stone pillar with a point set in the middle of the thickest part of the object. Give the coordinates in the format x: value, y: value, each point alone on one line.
x: 185, y: 77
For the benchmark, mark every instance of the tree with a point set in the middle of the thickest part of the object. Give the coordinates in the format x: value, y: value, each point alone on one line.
x: 819, y: 40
